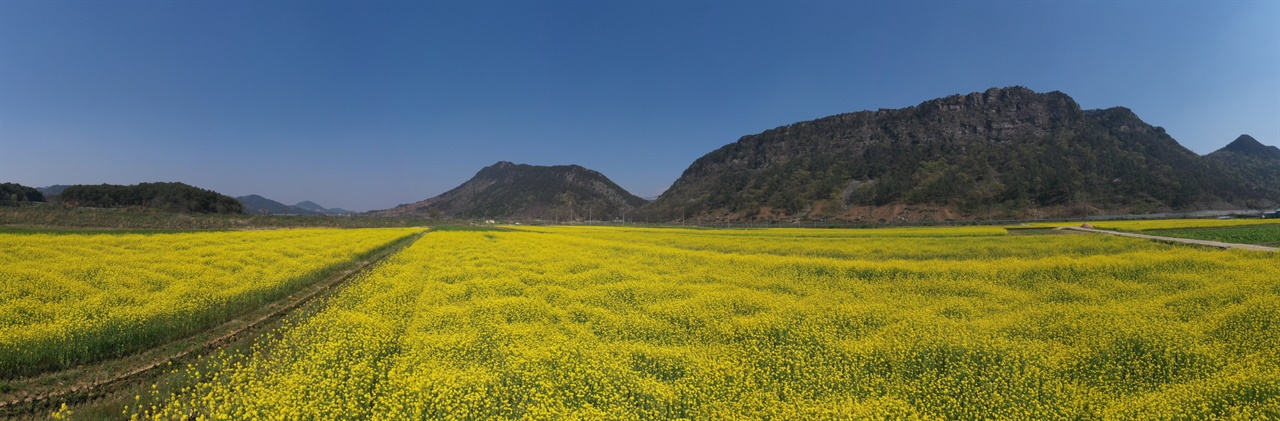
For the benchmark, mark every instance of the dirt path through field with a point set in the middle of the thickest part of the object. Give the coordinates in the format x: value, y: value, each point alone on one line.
x: 30, y: 395
x: 1218, y: 244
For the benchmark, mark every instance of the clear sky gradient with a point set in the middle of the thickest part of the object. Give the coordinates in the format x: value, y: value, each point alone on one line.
x: 369, y: 105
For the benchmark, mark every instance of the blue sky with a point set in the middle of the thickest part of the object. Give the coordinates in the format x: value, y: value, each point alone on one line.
x: 369, y: 105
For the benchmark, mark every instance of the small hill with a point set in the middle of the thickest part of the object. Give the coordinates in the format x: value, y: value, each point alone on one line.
x: 507, y: 190
x: 1002, y: 153
x: 13, y: 193
x: 1252, y: 165
x: 259, y: 205
x: 169, y: 197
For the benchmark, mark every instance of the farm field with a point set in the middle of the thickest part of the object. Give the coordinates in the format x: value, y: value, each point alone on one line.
x: 1264, y: 232
x: 74, y: 298
x: 1164, y: 224
x: 1265, y: 235
x: 633, y: 323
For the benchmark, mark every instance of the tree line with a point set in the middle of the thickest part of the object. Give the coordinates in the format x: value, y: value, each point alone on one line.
x: 171, y: 197
x: 12, y: 193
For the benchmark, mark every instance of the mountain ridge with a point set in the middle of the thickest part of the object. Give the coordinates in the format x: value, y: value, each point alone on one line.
x: 1005, y: 152
x: 258, y: 204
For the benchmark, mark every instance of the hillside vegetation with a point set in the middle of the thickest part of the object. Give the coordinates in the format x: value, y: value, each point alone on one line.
x: 13, y: 193
x: 171, y: 197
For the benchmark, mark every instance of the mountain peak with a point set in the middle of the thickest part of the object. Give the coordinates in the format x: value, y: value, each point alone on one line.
x: 311, y: 206
x: 1245, y: 138
x: 1248, y: 146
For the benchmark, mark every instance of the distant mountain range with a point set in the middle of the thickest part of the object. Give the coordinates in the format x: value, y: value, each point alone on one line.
x: 507, y: 190
x: 255, y: 204
x: 1002, y: 153
x: 53, y: 190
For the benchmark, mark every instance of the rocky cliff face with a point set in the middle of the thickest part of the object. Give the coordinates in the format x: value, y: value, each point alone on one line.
x: 507, y: 190
x: 1005, y: 152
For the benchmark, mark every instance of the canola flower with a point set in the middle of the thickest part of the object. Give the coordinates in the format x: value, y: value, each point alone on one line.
x: 68, y: 299
x: 639, y: 324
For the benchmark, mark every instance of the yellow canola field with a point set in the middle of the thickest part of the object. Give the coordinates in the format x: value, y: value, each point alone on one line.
x: 67, y: 299
x: 636, y: 324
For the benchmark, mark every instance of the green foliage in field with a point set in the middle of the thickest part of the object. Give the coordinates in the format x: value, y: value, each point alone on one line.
x: 1161, y: 224
x: 1157, y: 224
x: 1267, y: 235
x: 596, y: 323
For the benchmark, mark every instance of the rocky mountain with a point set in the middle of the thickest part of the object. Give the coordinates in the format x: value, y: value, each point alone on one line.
x: 259, y: 205
x: 1008, y: 152
x: 507, y: 190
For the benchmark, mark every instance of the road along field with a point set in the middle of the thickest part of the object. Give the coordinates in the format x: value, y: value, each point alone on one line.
x: 69, y: 299
x: 611, y: 323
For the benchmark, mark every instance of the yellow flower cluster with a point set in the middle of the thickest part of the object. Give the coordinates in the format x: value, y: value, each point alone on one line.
x: 639, y: 324
x: 67, y: 299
